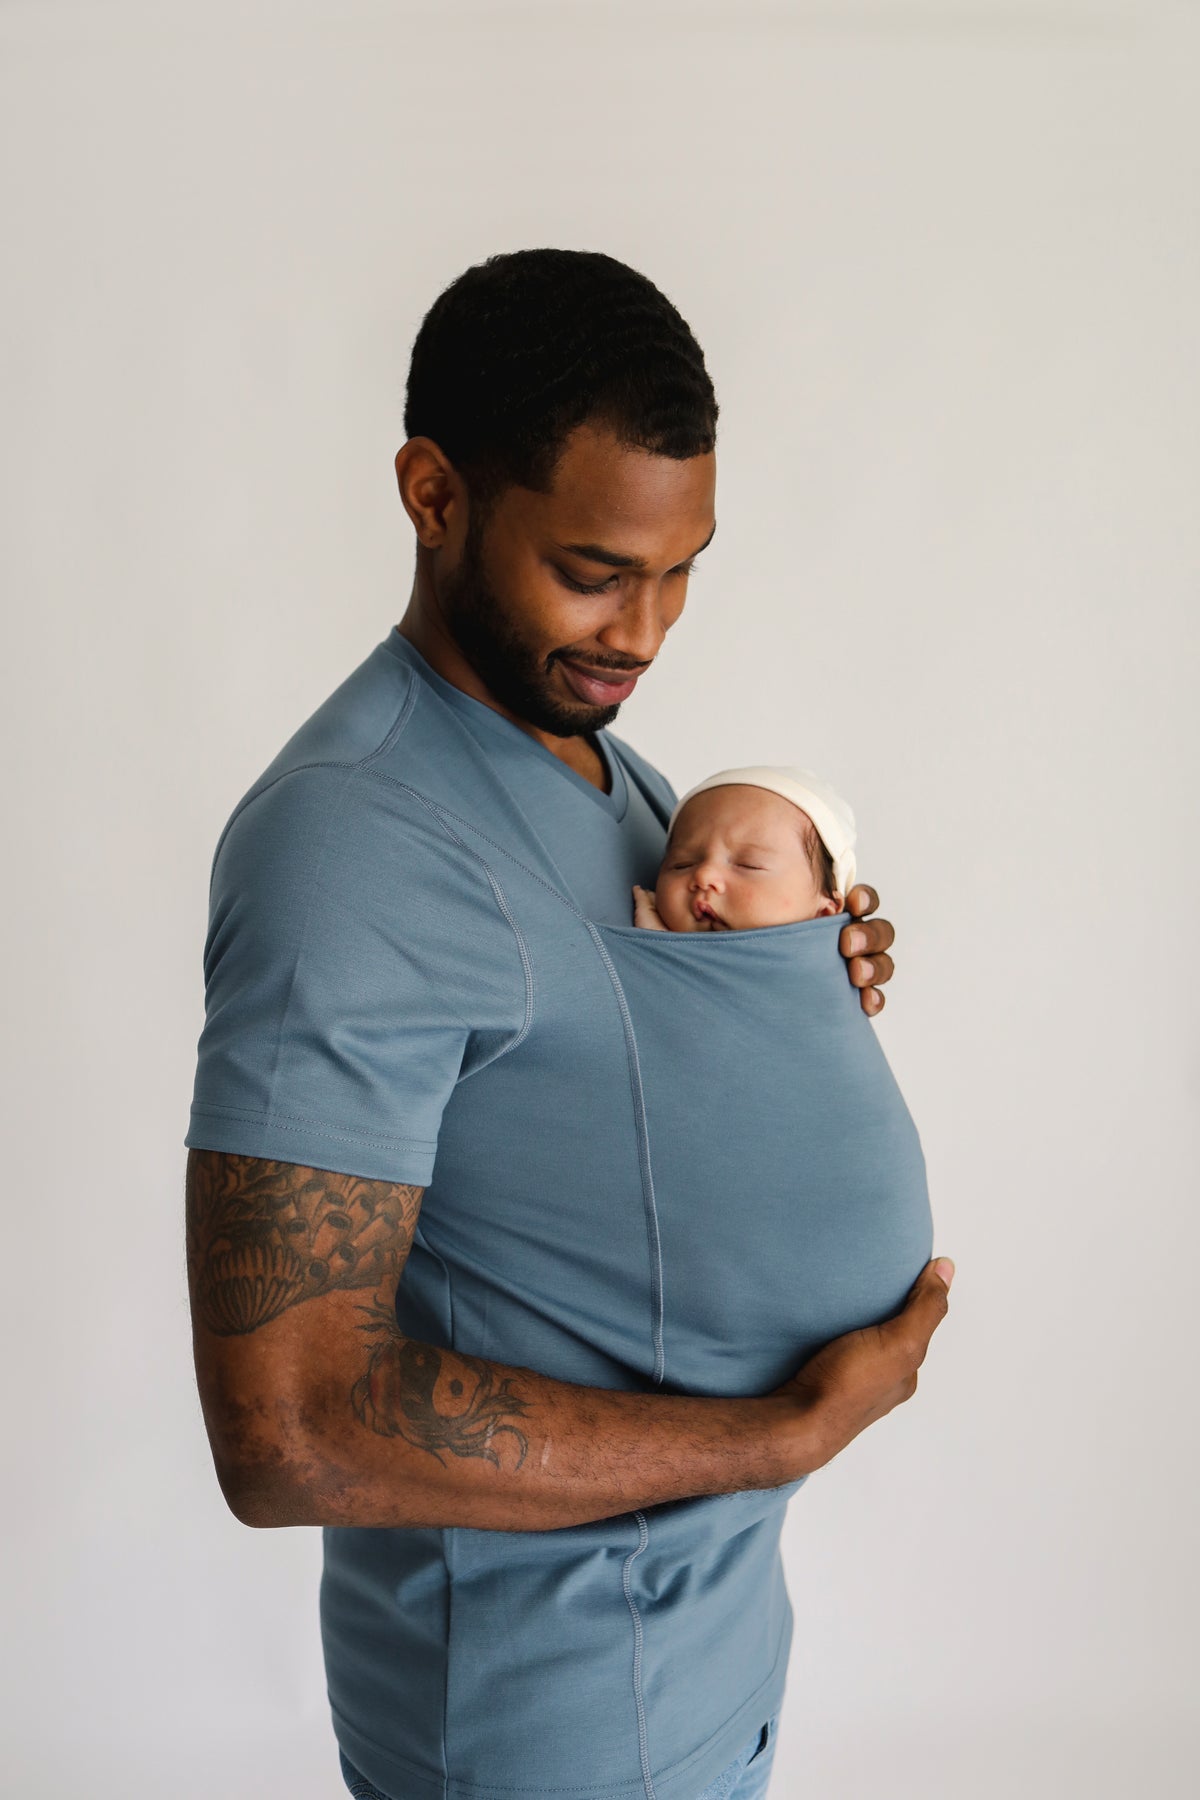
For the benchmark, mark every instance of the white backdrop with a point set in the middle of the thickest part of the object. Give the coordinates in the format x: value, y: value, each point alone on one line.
x: 943, y: 260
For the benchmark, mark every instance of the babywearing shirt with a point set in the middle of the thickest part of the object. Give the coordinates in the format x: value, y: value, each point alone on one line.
x: 655, y: 1162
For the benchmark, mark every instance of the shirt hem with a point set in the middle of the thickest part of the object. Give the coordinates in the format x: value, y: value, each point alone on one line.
x: 266, y: 1135
x: 681, y: 1781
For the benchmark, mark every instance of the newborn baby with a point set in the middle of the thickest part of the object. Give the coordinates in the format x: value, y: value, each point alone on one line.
x: 752, y: 847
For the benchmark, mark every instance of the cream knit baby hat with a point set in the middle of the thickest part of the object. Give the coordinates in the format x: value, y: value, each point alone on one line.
x: 827, y: 810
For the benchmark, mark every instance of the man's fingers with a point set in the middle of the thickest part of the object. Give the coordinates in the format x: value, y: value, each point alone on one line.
x: 861, y: 899
x: 870, y: 971
x: 928, y: 1303
x: 864, y: 944
x: 866, y: 938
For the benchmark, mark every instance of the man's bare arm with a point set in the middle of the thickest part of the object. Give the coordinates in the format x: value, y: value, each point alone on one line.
x: 321, y: 1412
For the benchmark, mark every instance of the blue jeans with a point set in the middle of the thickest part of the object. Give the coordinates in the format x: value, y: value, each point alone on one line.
x: 746, y: 1777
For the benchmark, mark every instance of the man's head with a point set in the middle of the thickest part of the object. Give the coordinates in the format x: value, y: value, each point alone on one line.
x: 561, y: 430
x: 740, y: 858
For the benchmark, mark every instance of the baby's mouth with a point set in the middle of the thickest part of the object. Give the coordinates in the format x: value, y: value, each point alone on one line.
x: 703, y: 910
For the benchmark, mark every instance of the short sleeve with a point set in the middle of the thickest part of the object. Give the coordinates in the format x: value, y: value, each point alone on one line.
x: 355, y: 950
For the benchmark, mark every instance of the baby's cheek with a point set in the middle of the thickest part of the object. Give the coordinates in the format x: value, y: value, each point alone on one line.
x: 667, y: 900
x: 780, y: 902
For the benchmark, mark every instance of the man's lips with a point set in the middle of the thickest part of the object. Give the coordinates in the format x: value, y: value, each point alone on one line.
x: 602, y: 689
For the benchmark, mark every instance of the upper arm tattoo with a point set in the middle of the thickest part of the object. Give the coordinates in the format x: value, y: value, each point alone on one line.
x: 262, y: 1236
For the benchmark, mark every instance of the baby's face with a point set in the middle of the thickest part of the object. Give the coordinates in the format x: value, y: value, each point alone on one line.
x: 737, y: 860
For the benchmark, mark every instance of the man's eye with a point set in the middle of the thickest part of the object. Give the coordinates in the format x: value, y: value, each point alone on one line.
x: 580, y: 587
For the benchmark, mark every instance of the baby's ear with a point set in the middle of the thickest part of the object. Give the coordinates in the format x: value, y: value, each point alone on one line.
x: 829, y: 907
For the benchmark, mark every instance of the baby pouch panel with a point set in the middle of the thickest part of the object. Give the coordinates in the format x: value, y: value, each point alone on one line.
x: 788, y: 1178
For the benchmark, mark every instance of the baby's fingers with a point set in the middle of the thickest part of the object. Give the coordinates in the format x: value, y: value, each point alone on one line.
x: 645, y: 912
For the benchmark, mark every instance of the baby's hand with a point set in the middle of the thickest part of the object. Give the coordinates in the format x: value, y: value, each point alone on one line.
x: 645, y: 912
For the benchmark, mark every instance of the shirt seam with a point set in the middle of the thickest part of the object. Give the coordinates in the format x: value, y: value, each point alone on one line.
x: 445, y: 812
x: 256, y: 1116
x: 595, y: 1787
x: 638, y: 1639
x: 324, y: 762
x: 500, y: 898
x: 361, y: 768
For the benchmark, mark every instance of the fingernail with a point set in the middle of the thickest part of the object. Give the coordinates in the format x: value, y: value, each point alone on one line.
x: 868, y: 970
x: 858, y: 941
x: 945, y: 1269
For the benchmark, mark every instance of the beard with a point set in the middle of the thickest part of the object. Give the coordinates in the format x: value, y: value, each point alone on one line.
x: 508, y: 667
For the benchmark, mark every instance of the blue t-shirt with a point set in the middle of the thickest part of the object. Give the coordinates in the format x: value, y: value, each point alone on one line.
x: 653, y: 1161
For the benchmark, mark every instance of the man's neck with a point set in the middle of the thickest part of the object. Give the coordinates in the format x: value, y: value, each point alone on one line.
x: 580, y: 752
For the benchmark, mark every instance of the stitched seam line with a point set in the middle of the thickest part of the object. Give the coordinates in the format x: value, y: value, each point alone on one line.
x: 539, y: 1793
x: 498, y: 894
x: 271, y: 1118
x: 643, y: 1540
x: 474, y: 1787
x: 445, y: 812
x: 324, y: 762
x: 401, y: 720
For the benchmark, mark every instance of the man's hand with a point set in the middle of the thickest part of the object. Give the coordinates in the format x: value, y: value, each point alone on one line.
x: 865, y: 946
x: 645, y: 909
x: 861, y: 1376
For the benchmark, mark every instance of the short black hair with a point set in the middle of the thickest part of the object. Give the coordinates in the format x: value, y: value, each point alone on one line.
x: 524, y: 347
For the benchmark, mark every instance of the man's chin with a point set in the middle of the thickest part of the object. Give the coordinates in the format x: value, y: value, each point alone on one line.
x: 575, y: 721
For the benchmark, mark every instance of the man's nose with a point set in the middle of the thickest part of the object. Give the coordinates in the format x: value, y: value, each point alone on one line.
x: 639, y: 628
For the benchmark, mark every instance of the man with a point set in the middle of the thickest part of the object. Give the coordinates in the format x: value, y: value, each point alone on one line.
x: 425, y: 1264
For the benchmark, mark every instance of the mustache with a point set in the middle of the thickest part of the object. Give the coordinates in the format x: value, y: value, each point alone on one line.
x: 588, y: 662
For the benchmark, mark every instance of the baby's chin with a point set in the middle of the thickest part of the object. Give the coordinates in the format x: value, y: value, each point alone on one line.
x: 683, y: 919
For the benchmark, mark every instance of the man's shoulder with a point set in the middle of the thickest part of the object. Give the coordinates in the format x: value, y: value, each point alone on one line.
x: 363, y: 714
x: 340, y: 786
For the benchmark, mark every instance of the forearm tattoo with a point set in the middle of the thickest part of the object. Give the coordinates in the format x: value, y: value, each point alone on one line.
x: 396, y: 1396
x: 263, y: 1236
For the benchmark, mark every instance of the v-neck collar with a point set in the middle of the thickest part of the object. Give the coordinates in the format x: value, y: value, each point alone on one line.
x: 477, y: 713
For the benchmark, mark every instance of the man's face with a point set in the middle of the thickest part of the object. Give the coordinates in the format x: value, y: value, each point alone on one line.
x: 511, y: 601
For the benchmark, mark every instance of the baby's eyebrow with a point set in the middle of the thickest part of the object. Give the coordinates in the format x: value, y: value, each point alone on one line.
x: 763, y: 849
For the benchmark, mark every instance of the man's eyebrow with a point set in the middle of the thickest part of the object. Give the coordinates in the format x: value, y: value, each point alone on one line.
x: 614, y: 559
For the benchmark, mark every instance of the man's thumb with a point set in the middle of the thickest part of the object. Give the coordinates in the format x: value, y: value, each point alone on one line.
x: 945, y: 1268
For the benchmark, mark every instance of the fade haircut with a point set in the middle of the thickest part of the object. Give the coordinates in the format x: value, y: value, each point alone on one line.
x: 521, y: 349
